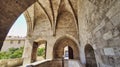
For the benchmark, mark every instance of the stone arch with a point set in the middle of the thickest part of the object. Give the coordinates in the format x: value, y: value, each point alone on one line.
x: 29, y: 22
x: 9, y: 14
x: 90, y: 56
x: 35, y: 48
x: 61, y: 43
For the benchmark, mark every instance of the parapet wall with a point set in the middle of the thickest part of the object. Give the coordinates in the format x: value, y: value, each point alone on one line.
x: 57, y: 63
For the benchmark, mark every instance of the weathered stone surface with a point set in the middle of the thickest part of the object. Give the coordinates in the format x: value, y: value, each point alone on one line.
x: 11, y: 62
x: 107, y: 35
x: 109, y: 51
x: 116, y: 19
x: 94, y: 22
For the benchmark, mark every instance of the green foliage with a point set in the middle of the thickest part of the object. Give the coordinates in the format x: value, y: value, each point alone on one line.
x: 41, y: 52
x: 17, y: 53
x: 12, y: 53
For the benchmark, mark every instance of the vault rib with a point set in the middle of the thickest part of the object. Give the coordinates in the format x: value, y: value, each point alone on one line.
x: 45, y: 12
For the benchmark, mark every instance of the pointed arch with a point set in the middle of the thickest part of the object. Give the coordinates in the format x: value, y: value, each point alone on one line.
x: 61, y: 43
x: 90, y: 56
x: 29, y: 22
x: 71, y: 14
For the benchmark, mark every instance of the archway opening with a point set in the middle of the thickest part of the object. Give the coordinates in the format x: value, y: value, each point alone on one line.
x: 67, y: 48
x: 68, y: 53
x: 8, y: 16
x: 39, y: 51
x: 14, y: 42
x: 90, y: 56
x: 16, y: 35
x: 19, y: 28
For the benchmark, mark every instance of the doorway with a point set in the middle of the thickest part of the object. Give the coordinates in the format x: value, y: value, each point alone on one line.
x: 68, y: 53
x: 90, y: 56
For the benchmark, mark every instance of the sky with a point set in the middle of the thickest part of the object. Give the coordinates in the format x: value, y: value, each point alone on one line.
x: 19, y: 28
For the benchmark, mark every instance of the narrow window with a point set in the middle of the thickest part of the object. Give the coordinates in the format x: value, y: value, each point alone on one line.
x: 19, y: 41
x: 11, y: 42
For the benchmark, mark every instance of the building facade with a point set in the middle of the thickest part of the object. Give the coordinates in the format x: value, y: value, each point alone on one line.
x: 13, y: 42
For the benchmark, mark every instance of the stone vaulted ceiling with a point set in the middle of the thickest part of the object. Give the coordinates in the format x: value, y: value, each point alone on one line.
x: 50, y: 9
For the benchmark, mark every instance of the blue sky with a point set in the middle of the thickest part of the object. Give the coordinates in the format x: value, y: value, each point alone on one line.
x: 19, y: 28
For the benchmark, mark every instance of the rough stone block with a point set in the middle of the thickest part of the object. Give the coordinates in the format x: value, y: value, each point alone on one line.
x: 107, y: 35
x: 115, y: 32
x: 109, y: 51
x: 113, y: 10
x: 102, y: 24
x: 114, y: 42
x: 98, y: 34
x: 109, y: 25
x: 116, y: 19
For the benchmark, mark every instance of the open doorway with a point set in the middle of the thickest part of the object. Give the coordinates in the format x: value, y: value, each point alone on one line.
x: 68, y: 52
x: 67, y: 48
x: 90, y: 56
x: 39, y: 51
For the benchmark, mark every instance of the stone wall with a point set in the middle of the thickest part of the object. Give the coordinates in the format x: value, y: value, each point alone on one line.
x: 94, y: 22
x: 50, y: 26
x: 99, y: 26
x: 57, y: 63
x: 11, y: 62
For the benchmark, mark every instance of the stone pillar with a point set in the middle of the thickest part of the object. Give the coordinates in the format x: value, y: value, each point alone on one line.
x: 27, y: 54
x: 98, y: 57
x: 34, y: 52
x: 82, y: 55
x: 49, y: 49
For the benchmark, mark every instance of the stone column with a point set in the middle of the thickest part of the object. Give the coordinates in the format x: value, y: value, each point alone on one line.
x: 82, y: 55
x: 49, y: 50
x: 27, y: 54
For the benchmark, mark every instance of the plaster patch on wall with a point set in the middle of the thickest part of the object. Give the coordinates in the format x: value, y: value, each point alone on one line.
x: 109, y: 51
